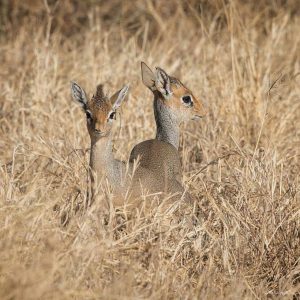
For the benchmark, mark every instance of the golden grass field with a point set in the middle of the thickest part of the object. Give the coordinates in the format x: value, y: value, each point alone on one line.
x: 241, y: 162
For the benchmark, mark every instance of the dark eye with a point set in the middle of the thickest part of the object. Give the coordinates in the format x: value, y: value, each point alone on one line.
x: 112, y: 115
x: 88, y: 115
x: 187, y: 100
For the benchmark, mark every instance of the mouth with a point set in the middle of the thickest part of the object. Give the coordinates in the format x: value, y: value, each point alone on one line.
x: 197, y: 117
x: 100, y: 133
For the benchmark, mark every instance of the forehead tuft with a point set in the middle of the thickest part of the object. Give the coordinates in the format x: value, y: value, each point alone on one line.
x: 99, y: 99
x: 99, y: 102
x: 100, y: 91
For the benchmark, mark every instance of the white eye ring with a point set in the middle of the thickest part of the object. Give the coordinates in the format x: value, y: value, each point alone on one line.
x: 187, y: 100
x: 111, y: 116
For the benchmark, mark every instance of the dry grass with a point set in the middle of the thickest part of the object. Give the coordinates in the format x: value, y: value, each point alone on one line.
x: 241, y: 162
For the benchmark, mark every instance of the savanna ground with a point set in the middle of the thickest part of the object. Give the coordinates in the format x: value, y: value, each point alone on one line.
x: 241, y: 161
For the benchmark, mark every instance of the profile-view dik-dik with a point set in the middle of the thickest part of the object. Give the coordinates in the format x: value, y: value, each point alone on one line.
x: 173, y: 104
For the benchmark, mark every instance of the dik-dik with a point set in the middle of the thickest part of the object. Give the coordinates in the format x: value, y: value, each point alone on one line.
x: 173, y: 104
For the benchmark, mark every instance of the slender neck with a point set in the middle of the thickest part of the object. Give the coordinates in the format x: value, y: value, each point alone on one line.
x: 167, y: 125
x: 102, y: 162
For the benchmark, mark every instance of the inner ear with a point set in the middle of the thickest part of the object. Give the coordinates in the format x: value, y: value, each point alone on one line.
x: 163, y: 83
x: 79, y: 94
x: 117, y: 98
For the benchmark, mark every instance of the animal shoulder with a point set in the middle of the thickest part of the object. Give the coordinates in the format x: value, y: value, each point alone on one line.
x: 157, y: 156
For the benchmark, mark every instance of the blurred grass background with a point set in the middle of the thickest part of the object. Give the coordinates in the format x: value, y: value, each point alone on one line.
x: 241, y: 162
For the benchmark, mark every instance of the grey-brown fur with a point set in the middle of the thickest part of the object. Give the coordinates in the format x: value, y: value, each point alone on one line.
x: 167, y: 124
x: 161, y: 154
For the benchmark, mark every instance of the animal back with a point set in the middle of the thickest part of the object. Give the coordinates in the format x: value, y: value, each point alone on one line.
x: 160, y: 157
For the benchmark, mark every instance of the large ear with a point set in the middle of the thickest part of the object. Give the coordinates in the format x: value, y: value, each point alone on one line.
x: 148, y: 76
x: 78, y: 94
x: 117, y: 98
x: 162, y: 82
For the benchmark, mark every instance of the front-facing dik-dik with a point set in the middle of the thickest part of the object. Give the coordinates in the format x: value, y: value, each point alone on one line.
x: 173, y: 104
x: 100, y: 114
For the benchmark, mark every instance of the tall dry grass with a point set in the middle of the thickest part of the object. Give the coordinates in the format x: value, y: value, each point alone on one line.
x: 241, y: 161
